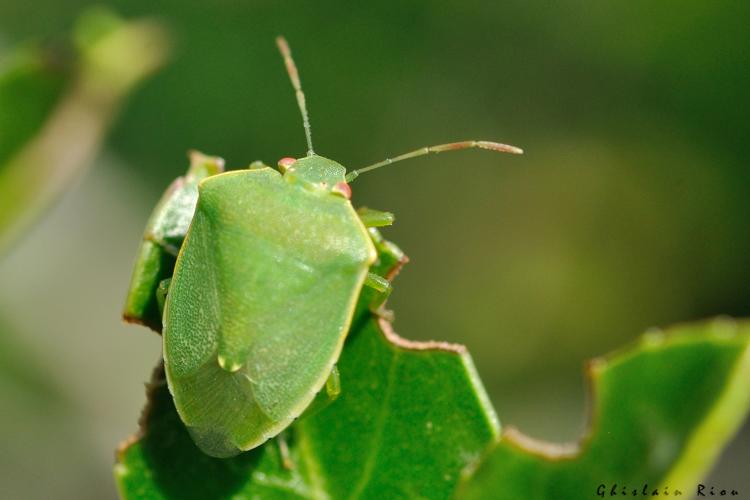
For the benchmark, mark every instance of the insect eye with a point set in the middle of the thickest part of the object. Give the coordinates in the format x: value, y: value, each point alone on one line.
x: 285, y: 163
x: 343, y: 189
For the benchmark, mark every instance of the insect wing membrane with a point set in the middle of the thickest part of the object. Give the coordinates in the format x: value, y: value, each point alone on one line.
x: 260, y: 303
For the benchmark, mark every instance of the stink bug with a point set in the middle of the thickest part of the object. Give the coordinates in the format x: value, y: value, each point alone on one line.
x: 264, y: 289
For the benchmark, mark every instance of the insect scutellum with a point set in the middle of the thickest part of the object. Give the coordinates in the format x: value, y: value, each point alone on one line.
x: 327, y: 172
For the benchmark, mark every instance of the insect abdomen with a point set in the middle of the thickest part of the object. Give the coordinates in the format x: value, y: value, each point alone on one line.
x: 270, y: 271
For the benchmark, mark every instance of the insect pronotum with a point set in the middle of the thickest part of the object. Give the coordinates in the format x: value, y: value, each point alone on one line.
x: 264, y: 289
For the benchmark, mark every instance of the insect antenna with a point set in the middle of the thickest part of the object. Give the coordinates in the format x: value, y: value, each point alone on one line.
x: 453, y: 146
x: 291, y: 69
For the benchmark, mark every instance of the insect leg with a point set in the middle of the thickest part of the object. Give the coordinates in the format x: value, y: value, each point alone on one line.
x: 375, y: 218
x: 378, y: 283
x: 384, y: 289
x: 333, y: 384
x: 161, y: 294
x: 257, y: 165
x: 286, y: 458
x: 168, y: 247
x: 332, y: 391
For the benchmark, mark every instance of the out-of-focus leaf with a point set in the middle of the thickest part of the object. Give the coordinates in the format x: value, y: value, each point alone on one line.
x: 36, y: 412
x: 662, y: 412
x: 22, y: 373
x: 31, y: 81
x: 55, y: 106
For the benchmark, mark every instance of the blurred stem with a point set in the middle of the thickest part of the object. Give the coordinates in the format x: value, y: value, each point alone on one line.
x: 114, y: 57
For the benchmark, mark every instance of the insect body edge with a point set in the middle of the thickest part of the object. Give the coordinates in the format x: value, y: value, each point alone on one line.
x: 266, y: 280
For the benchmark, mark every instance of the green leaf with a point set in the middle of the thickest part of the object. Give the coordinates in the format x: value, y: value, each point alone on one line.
x: 406, y: 424
x: 413, y: 421
x: 56, y: 104
x: 410, y: 418
x: 662, y: 412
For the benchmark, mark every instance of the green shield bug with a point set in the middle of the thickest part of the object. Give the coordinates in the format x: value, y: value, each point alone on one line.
x: 264, y: 289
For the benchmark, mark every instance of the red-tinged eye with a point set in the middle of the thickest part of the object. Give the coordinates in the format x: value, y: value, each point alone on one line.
x: 285, y: 163
x: 343, y: 189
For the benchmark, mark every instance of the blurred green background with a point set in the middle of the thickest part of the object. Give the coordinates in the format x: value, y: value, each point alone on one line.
x: 629, y: 209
